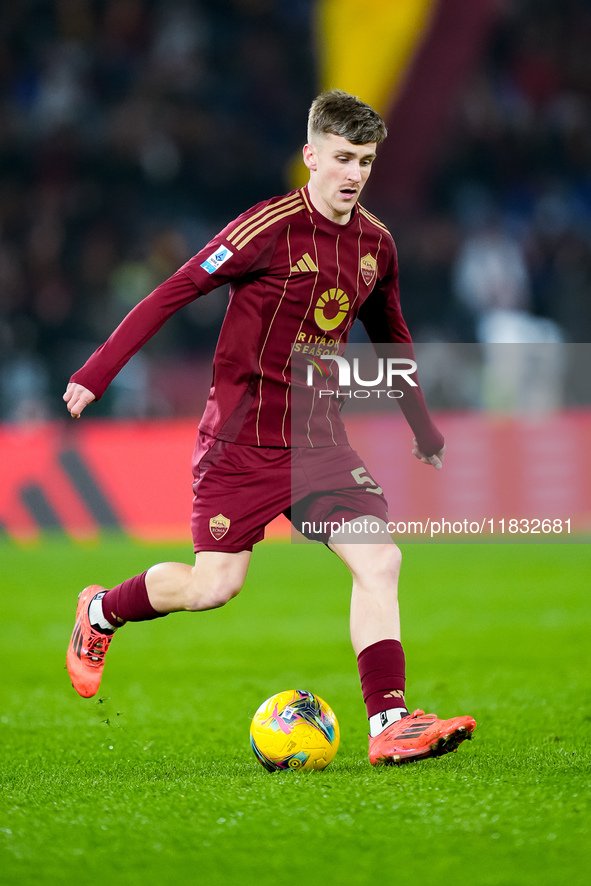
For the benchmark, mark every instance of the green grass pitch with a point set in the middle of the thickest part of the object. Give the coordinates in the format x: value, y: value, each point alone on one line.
x: 154, y: 781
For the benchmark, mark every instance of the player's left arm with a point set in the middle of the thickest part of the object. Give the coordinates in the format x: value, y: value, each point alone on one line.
x: 381, y: 315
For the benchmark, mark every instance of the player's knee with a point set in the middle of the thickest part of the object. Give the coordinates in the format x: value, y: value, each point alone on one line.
x: 214, y: 593
x: 384, y: 564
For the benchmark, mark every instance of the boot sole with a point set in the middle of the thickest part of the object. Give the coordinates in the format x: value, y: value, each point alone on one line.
x: 445, y: 744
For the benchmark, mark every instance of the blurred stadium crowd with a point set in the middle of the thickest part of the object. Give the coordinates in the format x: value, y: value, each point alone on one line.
x: 509, y: 220
x: 132, y: 130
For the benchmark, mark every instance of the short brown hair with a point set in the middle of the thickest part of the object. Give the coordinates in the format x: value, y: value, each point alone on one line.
x: 341, y: 113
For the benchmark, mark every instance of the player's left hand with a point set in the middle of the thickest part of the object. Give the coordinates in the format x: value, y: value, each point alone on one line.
x: 435, y: 460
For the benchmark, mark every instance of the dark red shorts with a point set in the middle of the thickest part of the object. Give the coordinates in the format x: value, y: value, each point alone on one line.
x: 240, y: 489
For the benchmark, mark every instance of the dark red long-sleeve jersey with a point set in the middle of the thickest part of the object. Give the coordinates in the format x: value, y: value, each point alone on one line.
x: 297, y: 282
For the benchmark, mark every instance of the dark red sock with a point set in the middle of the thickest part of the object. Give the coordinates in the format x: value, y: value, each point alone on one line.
x: 129, y: 602
x: 383, y: 676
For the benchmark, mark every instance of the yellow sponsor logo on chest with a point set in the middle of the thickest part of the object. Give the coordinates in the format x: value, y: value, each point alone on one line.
x: 331, y: 309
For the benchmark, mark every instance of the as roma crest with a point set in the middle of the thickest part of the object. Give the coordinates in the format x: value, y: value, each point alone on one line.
x: 369, y: 267
x: 218, y: 526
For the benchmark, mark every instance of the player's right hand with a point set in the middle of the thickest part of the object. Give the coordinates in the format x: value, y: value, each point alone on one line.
x: 77, y: 397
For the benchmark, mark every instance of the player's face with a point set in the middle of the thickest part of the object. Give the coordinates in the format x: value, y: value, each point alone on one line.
x: 338, y: 172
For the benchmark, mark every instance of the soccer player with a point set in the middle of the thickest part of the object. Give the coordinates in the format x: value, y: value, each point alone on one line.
x: 301, y: 267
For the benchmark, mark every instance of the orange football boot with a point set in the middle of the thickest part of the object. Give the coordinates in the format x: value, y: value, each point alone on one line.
x: 86, y: 653
x: 417, y: 736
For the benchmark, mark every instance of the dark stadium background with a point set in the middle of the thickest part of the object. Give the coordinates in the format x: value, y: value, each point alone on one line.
x: 133, y: 130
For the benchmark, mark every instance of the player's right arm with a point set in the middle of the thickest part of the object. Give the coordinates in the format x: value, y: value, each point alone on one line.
x: 142, y: 322
x: 219, y: 262
x: 77, y: 397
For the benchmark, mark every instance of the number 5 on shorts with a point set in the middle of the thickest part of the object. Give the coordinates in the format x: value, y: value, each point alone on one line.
x: 361, y: 476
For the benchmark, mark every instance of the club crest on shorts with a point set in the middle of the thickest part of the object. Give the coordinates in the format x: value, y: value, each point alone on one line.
x: 369, y: 267
x: 218, y: 526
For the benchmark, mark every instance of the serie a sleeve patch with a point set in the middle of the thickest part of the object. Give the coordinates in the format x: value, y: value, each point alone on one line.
x: 216, y: 259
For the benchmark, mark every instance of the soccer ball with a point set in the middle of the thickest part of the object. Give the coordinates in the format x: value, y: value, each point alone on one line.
x: 294, y: 729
